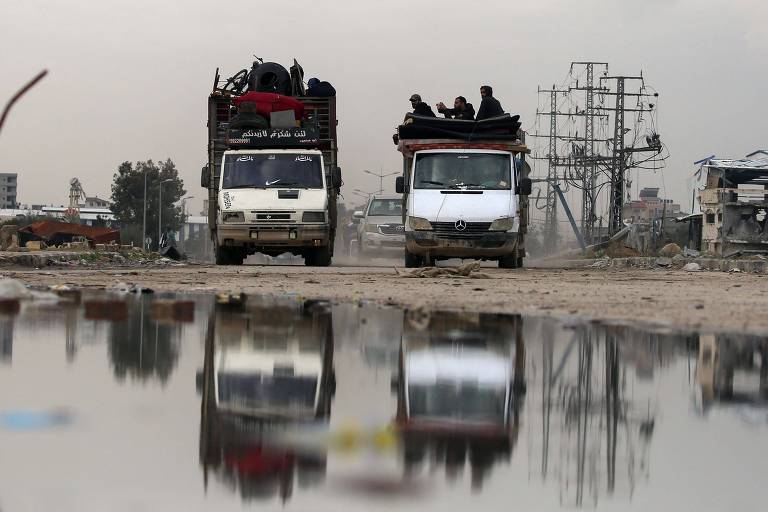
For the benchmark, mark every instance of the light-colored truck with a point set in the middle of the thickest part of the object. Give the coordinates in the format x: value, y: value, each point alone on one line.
x: 271, y: 190
x: 464, y: 197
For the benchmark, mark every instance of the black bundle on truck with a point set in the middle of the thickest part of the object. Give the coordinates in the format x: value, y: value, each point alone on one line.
x: 272, y: 173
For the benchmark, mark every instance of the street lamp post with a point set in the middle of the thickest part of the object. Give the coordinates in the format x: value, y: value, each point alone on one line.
x: 144, y: 222
x: 381, y: 177
x: 160, y: 213
x: 184, y: 211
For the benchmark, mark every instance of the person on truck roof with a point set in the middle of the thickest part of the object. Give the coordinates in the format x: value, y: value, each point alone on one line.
x: 461, y: 109
x: 420, y: 108
x: 490, y: 106
x: 320, y: 89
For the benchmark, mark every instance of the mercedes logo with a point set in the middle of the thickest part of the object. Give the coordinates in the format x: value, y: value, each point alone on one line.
x: 269, y: 216
x: 460, y: 225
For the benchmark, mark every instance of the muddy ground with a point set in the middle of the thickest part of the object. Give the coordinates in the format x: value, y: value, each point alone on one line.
x: 710, y: 301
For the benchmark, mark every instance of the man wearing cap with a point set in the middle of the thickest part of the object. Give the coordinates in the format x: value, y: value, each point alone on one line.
x: 420, y: 108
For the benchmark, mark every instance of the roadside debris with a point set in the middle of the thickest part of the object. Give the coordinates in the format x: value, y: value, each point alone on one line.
x: 670, y: 250
x: 692, y: 267
x: 466, y: 270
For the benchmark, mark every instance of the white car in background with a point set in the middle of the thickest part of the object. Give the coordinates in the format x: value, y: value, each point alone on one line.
x: 381, y: 230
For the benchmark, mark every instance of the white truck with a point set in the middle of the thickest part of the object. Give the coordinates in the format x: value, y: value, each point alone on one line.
x: 271, y: 190
x: 463, y: 197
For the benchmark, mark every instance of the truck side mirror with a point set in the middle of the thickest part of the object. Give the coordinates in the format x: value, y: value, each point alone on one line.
x: 205, y: 177
x: 526, y: 187
x: 336, y: 178
x: 358, y: 214
x: 399, y: 185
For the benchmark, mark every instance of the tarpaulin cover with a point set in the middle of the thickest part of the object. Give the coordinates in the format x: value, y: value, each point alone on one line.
x: 56, y: 232
x: 419, y: 127
x: 267, y: 102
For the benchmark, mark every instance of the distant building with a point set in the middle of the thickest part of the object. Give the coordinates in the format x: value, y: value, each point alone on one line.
x: 649, y: 207
x: 9, y: 184
x: 96, y: 202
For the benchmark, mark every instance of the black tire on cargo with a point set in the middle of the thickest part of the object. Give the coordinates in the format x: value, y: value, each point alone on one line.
x: 412, y: 260
x: 320, y: 257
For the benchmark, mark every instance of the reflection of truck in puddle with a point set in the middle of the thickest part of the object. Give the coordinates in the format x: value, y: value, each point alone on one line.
x: 267, y: 368
x: 732, y: 369
x: 456, y: 389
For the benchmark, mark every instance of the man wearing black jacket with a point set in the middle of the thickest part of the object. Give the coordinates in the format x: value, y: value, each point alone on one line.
x: 420, y: 108
x: 461, y: 109
x: 490, y: 106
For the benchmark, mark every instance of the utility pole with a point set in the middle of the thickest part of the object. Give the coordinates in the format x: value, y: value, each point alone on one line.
x: 619, y: 167
x: 589, y: 179
x: 550, y: 209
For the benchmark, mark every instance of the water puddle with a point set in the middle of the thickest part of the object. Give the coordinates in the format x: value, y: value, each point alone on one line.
x: 162, y: 402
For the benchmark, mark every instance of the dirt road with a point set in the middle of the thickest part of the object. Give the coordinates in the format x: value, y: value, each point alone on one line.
x: 665, y: 298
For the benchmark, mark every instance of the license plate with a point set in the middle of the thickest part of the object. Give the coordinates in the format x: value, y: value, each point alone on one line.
x: 270, y: 235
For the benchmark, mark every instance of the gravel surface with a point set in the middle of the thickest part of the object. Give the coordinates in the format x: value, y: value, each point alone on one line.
x: 709, y: 301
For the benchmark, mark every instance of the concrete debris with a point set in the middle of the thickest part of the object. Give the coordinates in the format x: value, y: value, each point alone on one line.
x: 122, y: 287
x: 670, y: 250
x: 604, y: 262
x: 663, y: 262
x: 465, y: 270
x: 691, y: 253
x: 734, y: 270
x: 678, y: 259
x: 692, y: 267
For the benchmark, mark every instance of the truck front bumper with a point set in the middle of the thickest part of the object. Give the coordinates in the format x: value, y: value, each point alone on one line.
x: 376, y: 242
x: 488, y: 245
x: 270, y: 235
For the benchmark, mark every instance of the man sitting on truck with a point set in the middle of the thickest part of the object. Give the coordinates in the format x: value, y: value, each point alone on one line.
x: 461, y: 109
x: 420, y: 108
x: 490, y: 106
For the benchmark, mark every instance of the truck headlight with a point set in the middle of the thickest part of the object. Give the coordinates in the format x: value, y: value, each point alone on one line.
x: 502, y: 224
x: 313, y: 217
x: 419, y: 223
x: 371, y: 228
x: 233, y: 217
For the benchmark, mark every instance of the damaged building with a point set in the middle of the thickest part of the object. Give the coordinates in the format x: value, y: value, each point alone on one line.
x: 734, y: 203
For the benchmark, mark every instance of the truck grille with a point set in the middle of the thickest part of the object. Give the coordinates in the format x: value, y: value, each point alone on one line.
x: 273, y: 216
x: 391, y: 229
x: 473, y: 230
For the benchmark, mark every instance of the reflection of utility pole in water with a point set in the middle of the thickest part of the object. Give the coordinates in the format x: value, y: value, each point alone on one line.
x: 546, y: 401
x: 612, y: 406
x: 583, y: 399
x: 519, y: 380
x: 70, y: 333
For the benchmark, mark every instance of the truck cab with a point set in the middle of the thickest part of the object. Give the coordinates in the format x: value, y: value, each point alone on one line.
x: 464, y: 202
x: 273, y: 201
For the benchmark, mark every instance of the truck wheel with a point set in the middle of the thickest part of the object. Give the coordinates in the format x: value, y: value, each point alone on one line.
x: 223, y: 256
x: 510, y: 261
x: 320, y: 257
x: 412, y: 260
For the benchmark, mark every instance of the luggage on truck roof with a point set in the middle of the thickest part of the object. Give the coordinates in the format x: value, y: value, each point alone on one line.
x: 504, y: 127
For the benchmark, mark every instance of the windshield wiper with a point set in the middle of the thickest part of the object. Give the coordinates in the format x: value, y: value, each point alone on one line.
x: 243, y: 185
x: 430, y: 182
x: 459, y: 185
x: 282, y: 184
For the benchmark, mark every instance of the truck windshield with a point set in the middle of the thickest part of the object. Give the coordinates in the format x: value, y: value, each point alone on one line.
x: 264, y: 170
x: 463, y: 170
x: 457, y: 401
x: 253, y: 390
x: 386, y: 207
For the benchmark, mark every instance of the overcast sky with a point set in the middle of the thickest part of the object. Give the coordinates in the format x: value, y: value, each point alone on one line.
x: 128, y: 80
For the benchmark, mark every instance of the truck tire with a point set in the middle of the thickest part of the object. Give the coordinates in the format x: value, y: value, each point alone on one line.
x: 320, y: 257
x: 510, y: 261
x: 229, y: 256
x: 412, y: 260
